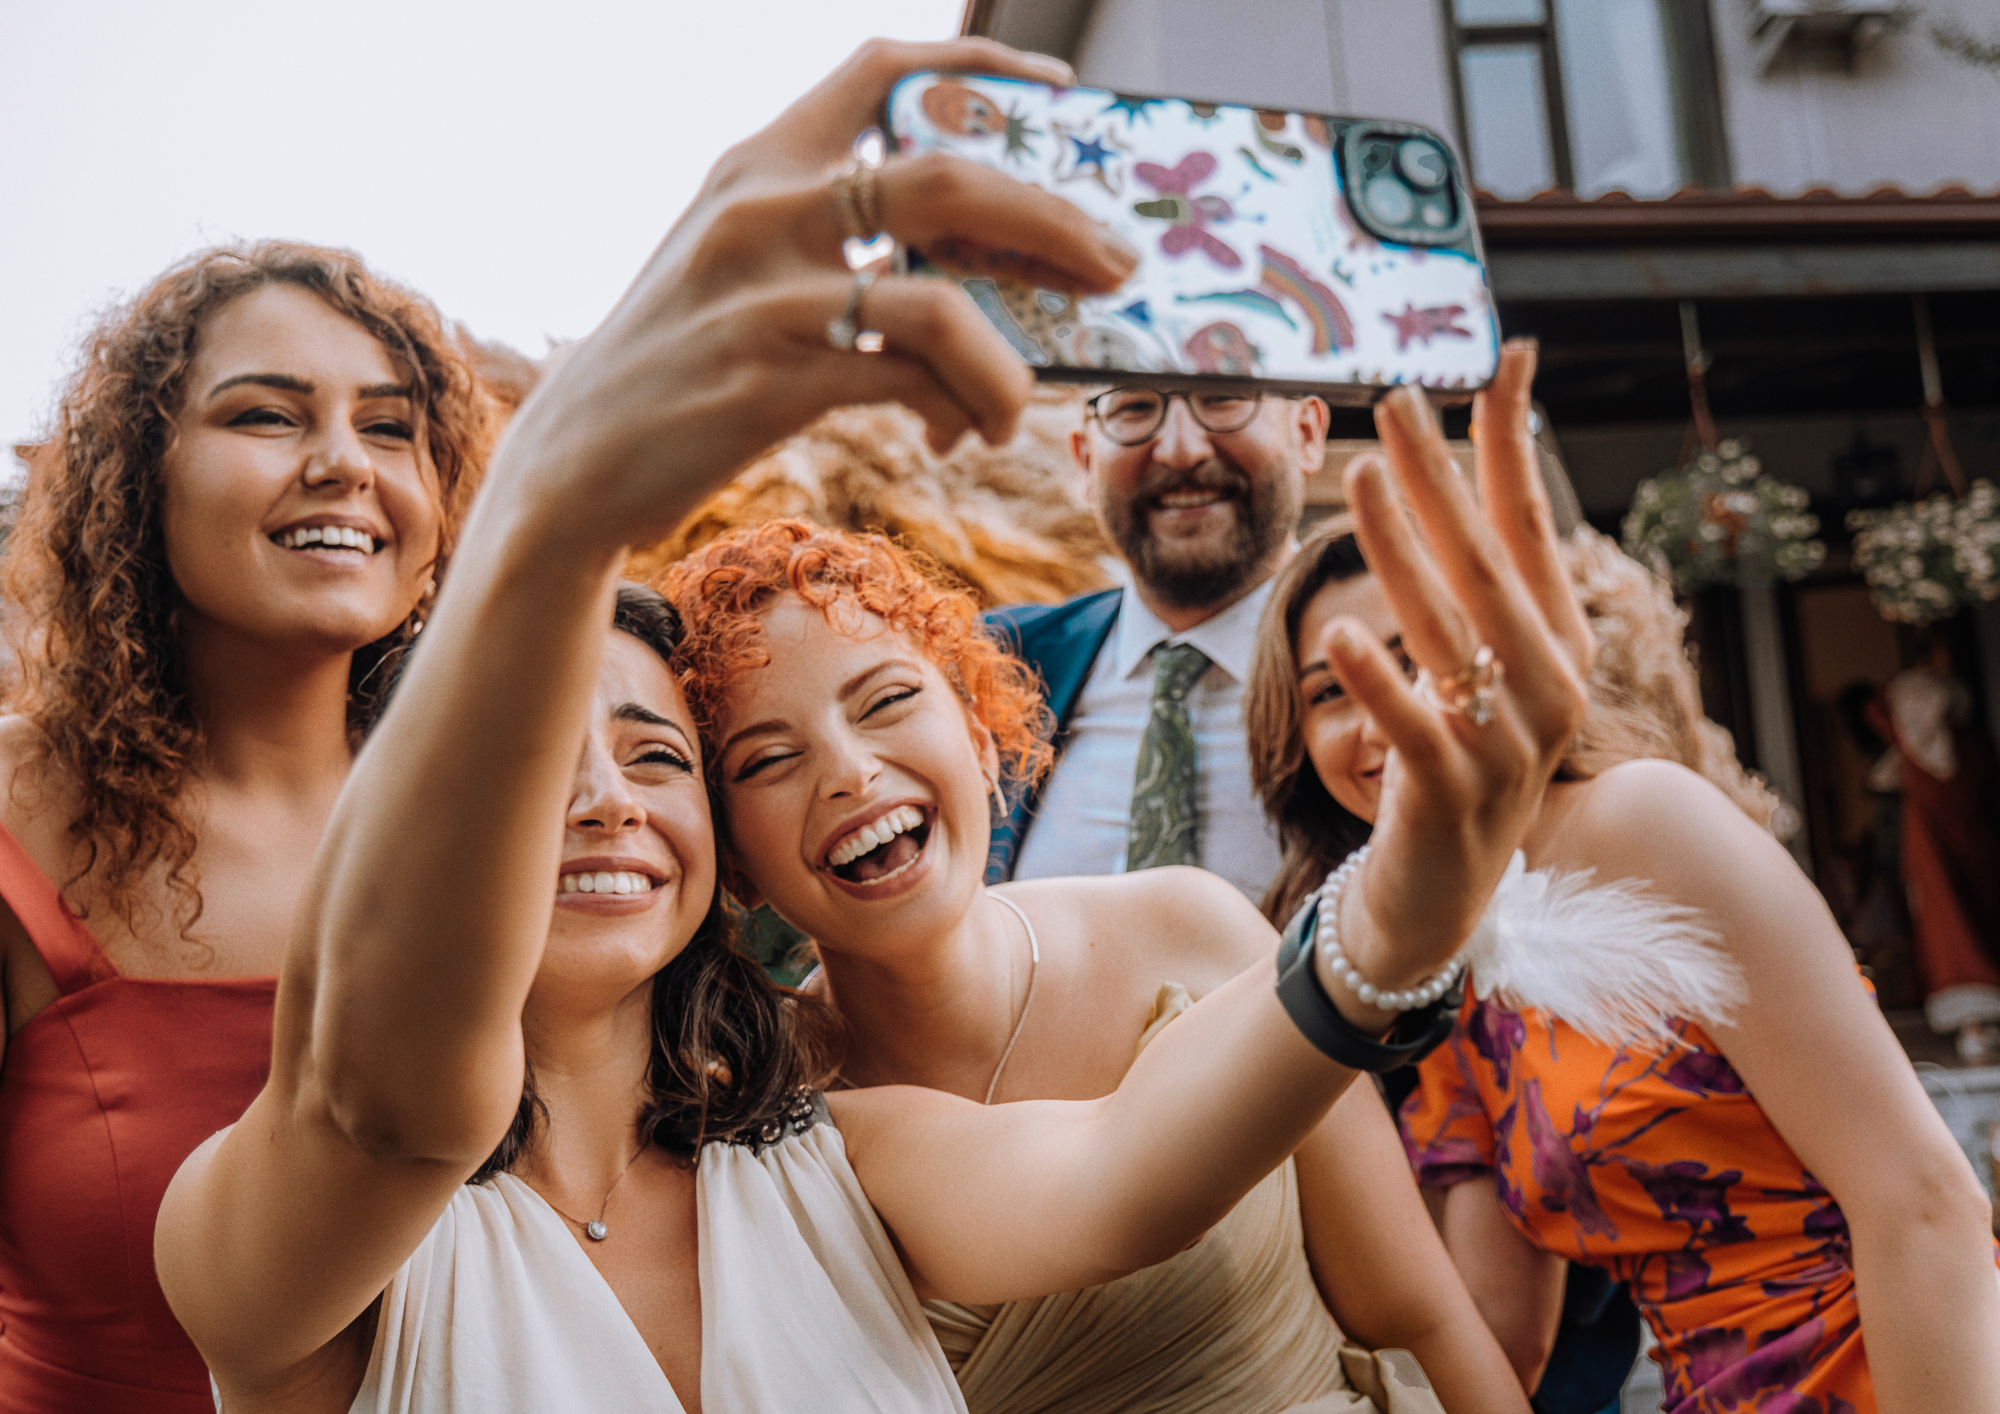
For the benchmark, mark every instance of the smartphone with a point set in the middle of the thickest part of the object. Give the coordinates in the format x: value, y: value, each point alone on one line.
x: 1291, y: 252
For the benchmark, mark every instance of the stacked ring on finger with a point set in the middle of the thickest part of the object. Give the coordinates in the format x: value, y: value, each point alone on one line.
x: 859, y: 202
x: 1471, y: 692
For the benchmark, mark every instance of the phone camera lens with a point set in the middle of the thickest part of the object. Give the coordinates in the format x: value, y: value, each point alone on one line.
x: 1422, y: 164
x: 1389, y: 200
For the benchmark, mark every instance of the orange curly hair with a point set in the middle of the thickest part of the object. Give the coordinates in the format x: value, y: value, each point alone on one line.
x: 99, y: 658
x: 722, y: 590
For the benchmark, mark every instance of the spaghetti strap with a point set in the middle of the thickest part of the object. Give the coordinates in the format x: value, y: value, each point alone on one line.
x: 71, y: 954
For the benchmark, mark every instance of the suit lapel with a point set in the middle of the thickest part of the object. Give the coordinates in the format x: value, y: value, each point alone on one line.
x: 1063, y: 648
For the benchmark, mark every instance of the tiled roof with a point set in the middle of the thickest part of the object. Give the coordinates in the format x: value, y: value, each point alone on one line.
x: 1702, y: 214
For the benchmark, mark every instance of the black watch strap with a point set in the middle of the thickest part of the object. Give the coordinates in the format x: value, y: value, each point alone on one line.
x: 1415, y: 1035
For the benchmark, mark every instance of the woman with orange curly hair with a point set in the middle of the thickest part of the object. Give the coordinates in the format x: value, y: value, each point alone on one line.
x: 1740, y: 1140
x: 252, y: 483
x: 1038, y: 999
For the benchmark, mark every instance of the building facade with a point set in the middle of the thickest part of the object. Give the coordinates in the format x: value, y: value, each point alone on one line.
x: 1777, y: 185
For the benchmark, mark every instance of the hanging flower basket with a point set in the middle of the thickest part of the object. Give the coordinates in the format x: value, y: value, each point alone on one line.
x: 1720, y: 520
x: 1923, y: 560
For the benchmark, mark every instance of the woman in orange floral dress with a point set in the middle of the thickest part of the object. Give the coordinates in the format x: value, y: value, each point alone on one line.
x: 1771, y: 1186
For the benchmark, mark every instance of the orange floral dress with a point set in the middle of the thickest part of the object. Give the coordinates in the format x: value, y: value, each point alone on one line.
x: 1663, y: 1169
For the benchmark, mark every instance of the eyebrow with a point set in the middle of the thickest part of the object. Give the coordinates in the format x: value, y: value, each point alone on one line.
x: 287, y: 383
x: 637, y: 712
x: 1320, y: 665
x: 847, y: 690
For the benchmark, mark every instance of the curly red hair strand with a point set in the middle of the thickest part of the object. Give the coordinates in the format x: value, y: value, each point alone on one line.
x: 723, y: 589
x: 99, y: 658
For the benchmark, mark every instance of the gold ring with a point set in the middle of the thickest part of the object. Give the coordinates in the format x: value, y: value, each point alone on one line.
x: 859, y: 202
x: 1470, y: 693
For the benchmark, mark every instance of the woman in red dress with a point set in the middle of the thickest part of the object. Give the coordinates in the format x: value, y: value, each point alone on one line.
x: 252, y: 482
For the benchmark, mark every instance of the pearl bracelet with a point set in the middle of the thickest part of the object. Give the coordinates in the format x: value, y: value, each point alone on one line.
x: 1327, y: 937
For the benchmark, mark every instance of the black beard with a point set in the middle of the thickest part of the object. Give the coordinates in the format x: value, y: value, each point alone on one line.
x: 1267, y: 510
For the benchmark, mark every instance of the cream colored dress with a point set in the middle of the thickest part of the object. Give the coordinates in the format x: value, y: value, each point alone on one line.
x: 804, y: 1305
x: 1233, y: 1325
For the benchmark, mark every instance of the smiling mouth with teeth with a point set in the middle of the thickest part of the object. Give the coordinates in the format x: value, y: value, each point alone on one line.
x: 619, y: 881
x: 326, y: 537
x: 881, y: 849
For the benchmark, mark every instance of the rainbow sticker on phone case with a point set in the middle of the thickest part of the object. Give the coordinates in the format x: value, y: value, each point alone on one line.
x: 1331, y: 253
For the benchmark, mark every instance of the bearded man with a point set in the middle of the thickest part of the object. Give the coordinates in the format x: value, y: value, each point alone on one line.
x: 1201, y: 493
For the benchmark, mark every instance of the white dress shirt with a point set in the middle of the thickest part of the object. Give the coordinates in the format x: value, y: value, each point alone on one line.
x: 1086, y: 809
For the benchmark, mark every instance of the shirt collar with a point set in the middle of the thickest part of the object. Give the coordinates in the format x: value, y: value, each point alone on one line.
x: 1228, y: 639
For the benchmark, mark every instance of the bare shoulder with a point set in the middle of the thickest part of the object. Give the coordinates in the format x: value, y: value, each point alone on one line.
x: 1187, y: 923
x: 30, y: 787
x: 1658, y: 812
x: 1670, y: 827
x: 880, y: 1117
x: 38, y: 799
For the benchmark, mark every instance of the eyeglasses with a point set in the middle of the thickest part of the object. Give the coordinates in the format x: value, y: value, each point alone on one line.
x: 1130, y: 416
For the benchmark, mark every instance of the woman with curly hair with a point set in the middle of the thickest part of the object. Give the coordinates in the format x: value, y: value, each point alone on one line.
x: 524, y: 860
x: 1039, y: 1000
x: 1042, y: 998
x: 1739, y: 1137
x: 252, y: 483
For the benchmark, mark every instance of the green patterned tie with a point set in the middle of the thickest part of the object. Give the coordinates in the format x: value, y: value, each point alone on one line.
x: 1163, y: 825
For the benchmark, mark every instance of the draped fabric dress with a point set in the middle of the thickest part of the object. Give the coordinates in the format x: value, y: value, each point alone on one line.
x: 1661, y: 1168
x: 804, y: 1303
x: 103, y: 1094
x: 1234, y: 1324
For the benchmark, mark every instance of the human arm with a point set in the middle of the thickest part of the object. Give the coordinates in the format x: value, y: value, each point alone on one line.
x: 398, y: 1054
x: 1382, y: 1269
x: 988, y: 1205
x: 1516, y: 1286
x: 1813, y: 1048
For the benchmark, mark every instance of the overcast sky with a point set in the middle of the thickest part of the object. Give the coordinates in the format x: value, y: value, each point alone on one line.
x: 513, y: 159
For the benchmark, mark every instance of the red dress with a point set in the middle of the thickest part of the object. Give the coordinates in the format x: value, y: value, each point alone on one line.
x: 102, y: 1095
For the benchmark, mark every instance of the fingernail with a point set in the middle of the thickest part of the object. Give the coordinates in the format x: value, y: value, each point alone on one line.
x: 1523, y: 343
x: 1123, y: 252
x: 1411, y: 410
x: 1346, y: 642
x: 1059, y: 73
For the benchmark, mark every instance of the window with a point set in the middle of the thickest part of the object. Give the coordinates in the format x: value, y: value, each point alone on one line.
x: 1591, y: 95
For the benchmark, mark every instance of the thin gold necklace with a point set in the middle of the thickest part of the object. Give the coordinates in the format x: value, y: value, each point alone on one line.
x: 596, y: 1229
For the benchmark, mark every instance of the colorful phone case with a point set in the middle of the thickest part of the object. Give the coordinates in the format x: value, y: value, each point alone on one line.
x: 1257, y: 263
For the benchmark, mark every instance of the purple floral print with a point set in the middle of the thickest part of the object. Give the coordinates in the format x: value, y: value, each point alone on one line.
x: 1562, y: 1176
x: 1704, y: 1073
x: 1496, y: 1034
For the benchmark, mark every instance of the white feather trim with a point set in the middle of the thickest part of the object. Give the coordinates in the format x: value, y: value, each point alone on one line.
x: 1615, y: 961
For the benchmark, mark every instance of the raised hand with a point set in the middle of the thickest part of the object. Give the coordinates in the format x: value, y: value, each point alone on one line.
x: 721, y: 346
x: 1488, y: 615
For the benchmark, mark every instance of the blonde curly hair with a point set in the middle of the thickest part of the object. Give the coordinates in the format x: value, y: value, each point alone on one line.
x: 1645, y: 697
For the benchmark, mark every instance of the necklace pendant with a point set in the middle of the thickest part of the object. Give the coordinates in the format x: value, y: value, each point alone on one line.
x: 596, y: 1231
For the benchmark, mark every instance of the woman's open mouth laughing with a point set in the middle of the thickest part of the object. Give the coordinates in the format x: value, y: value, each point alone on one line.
x: 885, y: 848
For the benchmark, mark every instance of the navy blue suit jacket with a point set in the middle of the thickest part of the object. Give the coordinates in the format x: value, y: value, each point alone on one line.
x: 1061, y: 643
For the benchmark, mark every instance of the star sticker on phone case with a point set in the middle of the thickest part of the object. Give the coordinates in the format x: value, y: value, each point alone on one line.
x: 1018, y: 133
x: 1133, y: 108
x: 1088, y: 156
x: 1436, y: 322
